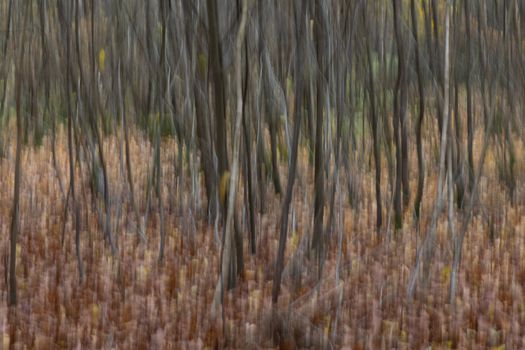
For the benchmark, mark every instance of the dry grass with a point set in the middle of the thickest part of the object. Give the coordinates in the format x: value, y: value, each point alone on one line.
x: 129, y: 301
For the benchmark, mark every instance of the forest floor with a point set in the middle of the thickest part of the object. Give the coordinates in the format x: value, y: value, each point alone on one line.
x: 131, y: 301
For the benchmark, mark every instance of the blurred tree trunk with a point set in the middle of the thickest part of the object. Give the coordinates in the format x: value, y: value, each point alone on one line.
x: 19, y: 51
x: 234, y: 178
x: 400, y: 119
x: 421, y: 111
x: 373, y: 124
x: 470, y: 112
x: 248, y: 145
x: 163, y: 81
x: 487, y: 100
x: 300, y: 17
x: 200, y: 101
x: 426, y: 249
x: 68, y: 11
x: 217, y: 69
x: 270, y: 110
x: 5, y: 69
x: 319, y: 188
x: 122, y: 105
x: 219, y: 86
x: 433, y: 40
x: 89, y: 96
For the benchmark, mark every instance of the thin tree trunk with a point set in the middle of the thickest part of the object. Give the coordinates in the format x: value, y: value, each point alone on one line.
x: 400, y: 96
x: 458, y: 239
x: 15, y: 212
x: 200, y: 101
x: 275, y: 163
x: 248, y: 152
x: 128, y: 156
x: 470, y: 117
x: 375, y: 132
x: 419, y: 125
x: 75, y: 204
x: 425, y: 252
x: 293, y: 160
x: 6, y: 65
x: 317, y: 240
x: 219, y: 85
x: 232, y: 193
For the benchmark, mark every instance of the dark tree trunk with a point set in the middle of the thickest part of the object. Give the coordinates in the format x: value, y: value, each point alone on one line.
x: 319, y: 33
x: 399, y: 117
x: 298, y: 91
x: 375, y: 131
x: 218, y: 84
x: 421, y: 115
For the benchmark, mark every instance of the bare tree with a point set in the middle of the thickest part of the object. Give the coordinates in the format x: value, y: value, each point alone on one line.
x: 421, y: 116
x: 425, y: 252
x: 375, y: 129
x: 319, y: 34
x: 232, y: 193
x: 300, y: 17
x: 15, y: 212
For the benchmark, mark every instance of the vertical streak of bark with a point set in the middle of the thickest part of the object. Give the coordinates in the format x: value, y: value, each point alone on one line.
x: 15, y: 213
x: 128, y: 155
x: 299, y: 24
x: 425, y: 253
x: 419, y: 125
x: 319, y: 31
x: 398, y: 123
x: 375, y: 130
x: 219, y: 85
x: 228, y: 237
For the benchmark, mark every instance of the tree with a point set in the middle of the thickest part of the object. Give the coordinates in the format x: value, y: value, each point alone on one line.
x: 375, y: 130
x: 425, y: 252
x: 319, y: 32
x: 300, y: 17
x: 232, y: 193
x: 15, y: 212
x: 217, y: 70
x: 400, y: 119
x: 421, y: 111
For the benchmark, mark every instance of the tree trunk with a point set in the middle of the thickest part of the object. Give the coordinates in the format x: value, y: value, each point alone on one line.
x: 375, y: 132
x: 419, y: 125
x: 218, y: 84
x: 298, y: 92
x: 319, y: 32
x: 228, y: 237
x: 425, y: 252
x: 15, y: 212
x: 400, y: 120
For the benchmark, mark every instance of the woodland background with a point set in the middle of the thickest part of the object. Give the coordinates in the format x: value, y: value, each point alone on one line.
x: 261, y: 174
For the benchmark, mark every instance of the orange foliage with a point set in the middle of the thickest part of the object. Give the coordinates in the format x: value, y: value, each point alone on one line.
x: 129, y: 301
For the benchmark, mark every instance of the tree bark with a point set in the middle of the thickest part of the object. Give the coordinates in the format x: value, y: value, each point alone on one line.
x: 425, y: 252
x: 319, y: 31
x: 375, y: 130
x: 228, y: 237
x: 298, y: 92
x: 421, y: 115
x: 219, y: 86
x: 15, y: 212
